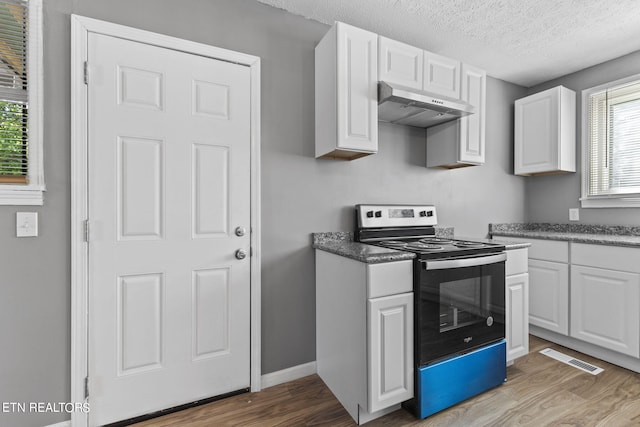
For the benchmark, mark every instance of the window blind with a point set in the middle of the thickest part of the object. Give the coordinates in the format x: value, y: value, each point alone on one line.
x: 614, y: 142
x: 14, y: 104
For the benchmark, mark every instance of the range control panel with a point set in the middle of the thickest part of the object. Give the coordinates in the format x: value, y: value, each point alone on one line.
x: 375, y: 216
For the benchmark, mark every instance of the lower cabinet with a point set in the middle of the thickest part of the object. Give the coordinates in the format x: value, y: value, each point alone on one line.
x: 549, y: 295
x: 364, y: 333
x: 586, y: 297
x: 604, y: 308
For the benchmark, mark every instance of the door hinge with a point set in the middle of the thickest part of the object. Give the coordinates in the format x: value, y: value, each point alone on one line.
x: 86, y: 72
x: 86, y: 230
x: 86, y: 387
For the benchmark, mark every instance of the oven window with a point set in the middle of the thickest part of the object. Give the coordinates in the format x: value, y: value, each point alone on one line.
x: 464, y: 302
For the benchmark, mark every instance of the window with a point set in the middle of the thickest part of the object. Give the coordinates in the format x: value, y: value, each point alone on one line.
x: 21, y: 171
x: 611, y: 144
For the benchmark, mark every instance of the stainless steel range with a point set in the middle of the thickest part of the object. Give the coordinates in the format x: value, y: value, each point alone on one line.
x: 459, y: 297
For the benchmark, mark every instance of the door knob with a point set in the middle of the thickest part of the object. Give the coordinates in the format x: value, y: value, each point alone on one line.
x: 240, y: 231
x: 241, y: 254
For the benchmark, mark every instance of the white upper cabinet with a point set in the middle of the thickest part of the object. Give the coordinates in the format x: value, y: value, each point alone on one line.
x: 474, y: 91
x: 350, y: 61
x: 441, y: 75
x: 346, y: 93
x: 399, y: 63
x: 415, y: 68
x: 461, y: 142
x: 545, y: 127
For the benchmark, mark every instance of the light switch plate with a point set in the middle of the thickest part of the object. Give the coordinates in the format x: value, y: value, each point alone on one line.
x: 574, y: 214
x: 26, y: 224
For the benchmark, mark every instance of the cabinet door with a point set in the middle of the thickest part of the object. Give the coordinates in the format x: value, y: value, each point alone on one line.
x: 474, y: 89
x: 399, y: 63
x: 517, y: 315
x: 604, y: 308
x: 536, y: 133
x: 461, y: 142
x: 357, y: 86
x: 549, y: 295
x: 390, y: 338
x: 441, y: 75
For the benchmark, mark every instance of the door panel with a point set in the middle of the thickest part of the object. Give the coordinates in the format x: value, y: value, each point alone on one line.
x: 390, y: 332
x: 549, y: 295
x: 140, y: 188
x: 604, y: 308
x: 169, y: 168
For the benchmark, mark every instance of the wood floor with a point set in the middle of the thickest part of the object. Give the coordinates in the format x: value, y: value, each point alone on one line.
x: 539, y: 391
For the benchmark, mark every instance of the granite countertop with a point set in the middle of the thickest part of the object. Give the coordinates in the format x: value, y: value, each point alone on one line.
x: 341, y: 243
x: 579, y: 233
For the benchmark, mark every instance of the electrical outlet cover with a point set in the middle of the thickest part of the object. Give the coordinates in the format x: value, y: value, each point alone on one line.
x: 26, y: 224
x: 574, y: 214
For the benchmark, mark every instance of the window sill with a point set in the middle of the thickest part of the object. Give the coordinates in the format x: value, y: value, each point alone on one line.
x: 27, y: 195
x: 617, y: 202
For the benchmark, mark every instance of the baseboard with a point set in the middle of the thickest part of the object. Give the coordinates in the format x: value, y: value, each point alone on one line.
x: 289, y: 374
x: 267, y: 380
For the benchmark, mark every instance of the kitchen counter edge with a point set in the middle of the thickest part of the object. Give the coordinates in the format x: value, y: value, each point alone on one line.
x: 341, y: 243
x: 508, y: 244
x: 599, y: 236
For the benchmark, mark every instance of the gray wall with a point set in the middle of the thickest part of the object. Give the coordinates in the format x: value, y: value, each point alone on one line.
x: 550, y: 197
x: 300, y: 194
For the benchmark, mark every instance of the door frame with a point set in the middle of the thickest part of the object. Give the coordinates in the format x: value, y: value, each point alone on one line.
x: 80, y: 29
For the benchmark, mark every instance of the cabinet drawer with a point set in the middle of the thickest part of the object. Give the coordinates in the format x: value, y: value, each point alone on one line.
x: 603, y: 256
x: 549, y: 250
x: 517, y: 262
x: 389, y: 278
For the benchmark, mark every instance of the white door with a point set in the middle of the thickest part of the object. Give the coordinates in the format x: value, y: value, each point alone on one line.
x: 169, y: 169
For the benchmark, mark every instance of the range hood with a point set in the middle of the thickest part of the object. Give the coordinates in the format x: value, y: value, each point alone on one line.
x: 412, y: 107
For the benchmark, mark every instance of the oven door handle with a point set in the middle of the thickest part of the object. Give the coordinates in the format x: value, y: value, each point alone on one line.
x: 463, y: 262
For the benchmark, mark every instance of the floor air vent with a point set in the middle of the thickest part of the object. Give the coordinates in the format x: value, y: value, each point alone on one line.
x: 583, y: 366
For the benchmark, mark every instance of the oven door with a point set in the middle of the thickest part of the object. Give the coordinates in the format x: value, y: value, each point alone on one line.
x: 461, y: 305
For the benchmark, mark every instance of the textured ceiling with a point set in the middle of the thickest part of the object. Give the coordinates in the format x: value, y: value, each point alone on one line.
x: 521, y: 41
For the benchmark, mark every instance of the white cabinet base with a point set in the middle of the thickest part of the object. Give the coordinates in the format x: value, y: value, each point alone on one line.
x: 364, y: 333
